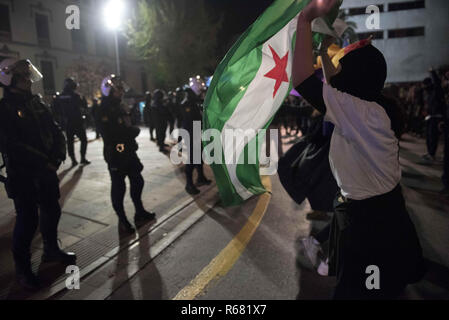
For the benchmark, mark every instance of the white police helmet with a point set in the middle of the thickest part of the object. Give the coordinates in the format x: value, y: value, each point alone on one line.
x: 111, y: 82
x: 10, y: 67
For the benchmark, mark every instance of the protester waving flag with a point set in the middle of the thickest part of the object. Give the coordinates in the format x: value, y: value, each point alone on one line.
x: 247, y: 90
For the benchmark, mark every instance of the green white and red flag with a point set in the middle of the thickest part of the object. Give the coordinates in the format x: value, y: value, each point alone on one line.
x: 247, y: 90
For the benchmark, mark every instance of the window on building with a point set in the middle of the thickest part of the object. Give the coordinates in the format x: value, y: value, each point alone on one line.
x: 405, y: 33
x: 49, y: 77
x: 362, y: 10
x: 43, y: 31
x: 5, y: 23
x: 79, y: 40
x: 406, y: 5
x: 376, y: 35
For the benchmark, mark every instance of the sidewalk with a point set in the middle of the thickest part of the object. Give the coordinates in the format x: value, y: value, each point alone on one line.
x: 89, y: 225
x: 421, y: 182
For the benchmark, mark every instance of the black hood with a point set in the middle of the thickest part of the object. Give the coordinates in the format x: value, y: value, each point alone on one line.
x: 363, y: 73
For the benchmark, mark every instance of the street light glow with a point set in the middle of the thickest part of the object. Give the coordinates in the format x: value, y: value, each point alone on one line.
x: 113, y: 14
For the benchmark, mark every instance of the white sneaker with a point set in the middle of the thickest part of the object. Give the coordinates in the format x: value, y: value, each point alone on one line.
x: 323, y: 268
x: 311, y: 248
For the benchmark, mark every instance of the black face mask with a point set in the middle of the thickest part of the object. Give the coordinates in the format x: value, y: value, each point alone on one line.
x: 363, y: 73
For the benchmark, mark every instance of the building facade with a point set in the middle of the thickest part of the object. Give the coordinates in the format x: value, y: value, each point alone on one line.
x: 413, y: 35
x: 37, y: 30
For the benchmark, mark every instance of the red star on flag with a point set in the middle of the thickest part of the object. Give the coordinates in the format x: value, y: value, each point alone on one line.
x: 279, y: 72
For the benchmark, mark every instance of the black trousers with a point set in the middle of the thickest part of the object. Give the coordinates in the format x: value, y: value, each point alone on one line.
x: 152, y: 122
x: 432, y: 136
x: 131, y: 169
x: 36, y: 201
x: 97, y: 130
x: 191, y: 165
x: 161, y: 130
x: 80, y: 132
x: 171, y: 124
x: 189, y: 172
x: 374, y: 232
x: 446, y: 155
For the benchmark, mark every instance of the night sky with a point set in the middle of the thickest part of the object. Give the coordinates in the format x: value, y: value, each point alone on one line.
x: 238, y: 16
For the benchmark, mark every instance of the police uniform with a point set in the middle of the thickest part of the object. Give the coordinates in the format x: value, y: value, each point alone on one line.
x: 191, y: 113
x: 94, y: 110
x: 70, y: 108
x: 31, y: 143
x: 161, y: 115
x: 120, y: 154
x: 149, y: 116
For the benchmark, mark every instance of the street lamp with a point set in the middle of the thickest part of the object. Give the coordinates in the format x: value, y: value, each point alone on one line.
x: 112, y: 15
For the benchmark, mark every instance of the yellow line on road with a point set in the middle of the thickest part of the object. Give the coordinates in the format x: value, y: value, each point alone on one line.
x: 226, y: 259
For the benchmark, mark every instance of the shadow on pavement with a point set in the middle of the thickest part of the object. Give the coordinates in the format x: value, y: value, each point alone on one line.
x: 137, y: 287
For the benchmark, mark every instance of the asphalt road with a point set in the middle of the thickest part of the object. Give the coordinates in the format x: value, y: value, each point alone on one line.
x: 240, y: 253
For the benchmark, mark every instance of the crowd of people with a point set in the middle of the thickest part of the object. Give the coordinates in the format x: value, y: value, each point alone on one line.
x: 35, y: 140
x: 350, y: 119
x: 415, y: 100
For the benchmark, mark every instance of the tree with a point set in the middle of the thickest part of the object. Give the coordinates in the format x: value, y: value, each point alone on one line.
x: 89, y: 74
x: 177, y: 38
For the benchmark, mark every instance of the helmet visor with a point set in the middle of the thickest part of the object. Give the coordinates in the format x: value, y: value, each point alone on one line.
x: 27, y: 70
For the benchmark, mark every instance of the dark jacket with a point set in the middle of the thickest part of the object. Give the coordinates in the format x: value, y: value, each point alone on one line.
x: 191, y: 112
x: 119, y: 135
x: 69, y: 109
x: 435, y: 97
x: 160, y: 112
x: 304, y: 171
x: 30, y: 139
x: 94, y: 111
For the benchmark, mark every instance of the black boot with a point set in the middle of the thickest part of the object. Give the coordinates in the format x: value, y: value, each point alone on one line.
x: 74, y: 162
x: 85, y: 162
x: 52, y: 253
x: 28, y: 280
x: 125, y: 226
x: 192, y: 190
x: 203, y: 181
x: 144, y: 216
x: 24, y: 275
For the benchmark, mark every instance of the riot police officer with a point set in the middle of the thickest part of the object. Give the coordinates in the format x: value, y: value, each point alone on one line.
x: 171, y: 106
x: 94, y: 111
x: 71, y: 108
x: 162, y: 115
x: 179, y: 97
x: 192, y: 113
x: 120, y: 147
x: 33, y: 147
x: 149, y: 115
